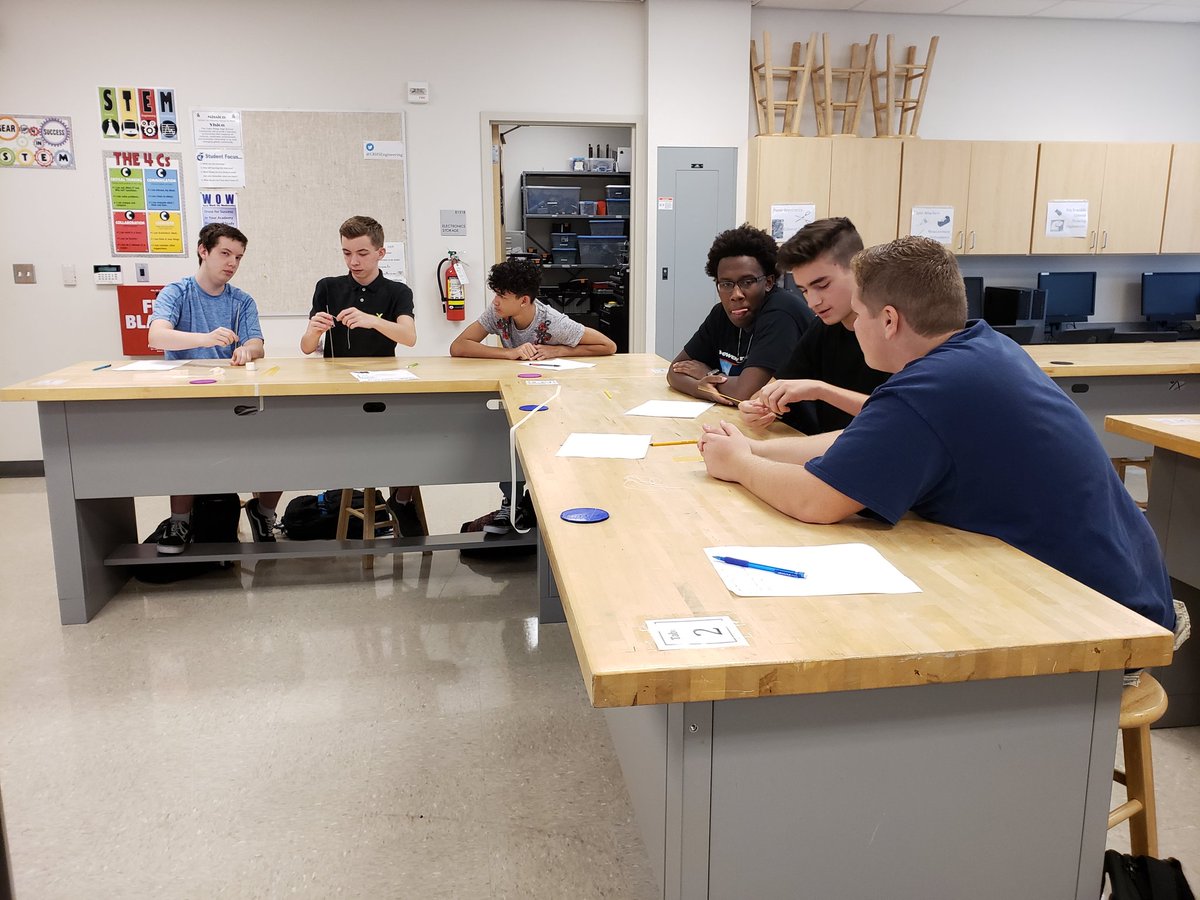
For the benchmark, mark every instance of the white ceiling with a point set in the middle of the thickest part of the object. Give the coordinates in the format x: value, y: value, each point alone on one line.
x: 1128, y: 10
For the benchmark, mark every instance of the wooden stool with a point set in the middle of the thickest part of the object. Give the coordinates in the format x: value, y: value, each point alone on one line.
x: 367, y: 515
x: 1141, y: 707
x: 1121, y: 463
x: 911, y: 101
x: 856, y: 75
x: 764, y: 75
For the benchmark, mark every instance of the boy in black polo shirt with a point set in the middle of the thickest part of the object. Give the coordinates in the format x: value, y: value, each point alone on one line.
x: 362, y: 313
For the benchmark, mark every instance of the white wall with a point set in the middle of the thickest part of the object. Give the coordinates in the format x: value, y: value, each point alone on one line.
x: 1034, y: 79
x: 697, y: 95
x: 475, y: 54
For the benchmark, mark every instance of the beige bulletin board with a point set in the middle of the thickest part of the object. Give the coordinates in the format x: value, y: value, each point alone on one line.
x: 306, y: 173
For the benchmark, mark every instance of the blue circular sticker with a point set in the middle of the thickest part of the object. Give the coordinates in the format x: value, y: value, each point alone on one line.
x: 584, y: 514
x: 530, y: 407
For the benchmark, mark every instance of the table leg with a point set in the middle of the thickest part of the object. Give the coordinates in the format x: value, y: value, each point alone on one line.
x: 550, y: 610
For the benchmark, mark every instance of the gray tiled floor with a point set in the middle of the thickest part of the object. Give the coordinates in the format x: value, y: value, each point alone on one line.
x: 303, y: 727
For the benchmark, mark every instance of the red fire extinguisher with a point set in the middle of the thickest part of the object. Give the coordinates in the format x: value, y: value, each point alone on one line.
x: 452, y: 284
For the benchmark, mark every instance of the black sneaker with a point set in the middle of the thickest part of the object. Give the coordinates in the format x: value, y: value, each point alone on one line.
x: 501, y: 523
x: 262, y: 529
x: 176, y: 537
x: 525, y: 517
x: 406, y: 518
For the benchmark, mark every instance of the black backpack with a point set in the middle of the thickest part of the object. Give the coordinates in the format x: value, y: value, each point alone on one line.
x: 214, y: 521
x: 1145, y: 878
x: 314, y: 518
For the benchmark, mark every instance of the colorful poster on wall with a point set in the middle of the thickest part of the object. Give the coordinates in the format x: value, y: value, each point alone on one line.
x: 36, y: 142
x: 138, y: 113
x: 219, y: 206
x: 135, y: 303
x: 145, y: 202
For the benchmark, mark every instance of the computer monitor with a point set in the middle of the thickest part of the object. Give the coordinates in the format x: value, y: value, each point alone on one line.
x: 974, y: 286
x: 1170, y: 296
x: 1070, y: 296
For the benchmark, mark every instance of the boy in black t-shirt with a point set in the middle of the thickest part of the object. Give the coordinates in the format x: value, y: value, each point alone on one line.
x: 825, y: 382
x: 750, y: 332
x: 362, y: 313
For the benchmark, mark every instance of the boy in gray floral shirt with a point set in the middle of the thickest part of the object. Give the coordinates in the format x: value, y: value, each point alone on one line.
x: 528, y: 329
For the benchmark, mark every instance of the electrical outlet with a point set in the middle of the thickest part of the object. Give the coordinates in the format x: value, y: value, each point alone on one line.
x: 143, y: 271
x: 23, y: 273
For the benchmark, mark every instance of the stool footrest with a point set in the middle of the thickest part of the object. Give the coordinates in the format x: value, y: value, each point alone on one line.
x: 1125, y: 811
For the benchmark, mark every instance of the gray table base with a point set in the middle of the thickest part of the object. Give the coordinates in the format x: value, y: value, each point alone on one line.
x: 990, y: 789
x: 1174, y: 514
x: 101, y: 454
x: 1130, y: 395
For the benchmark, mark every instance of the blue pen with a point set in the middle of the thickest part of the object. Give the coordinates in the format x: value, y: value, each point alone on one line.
x: 746, y: 564
x: 105, y: 366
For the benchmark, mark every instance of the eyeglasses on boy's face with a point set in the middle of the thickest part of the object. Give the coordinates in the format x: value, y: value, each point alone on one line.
x: 744, y: 284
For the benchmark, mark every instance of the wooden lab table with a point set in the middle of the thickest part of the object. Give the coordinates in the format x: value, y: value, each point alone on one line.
x: 110, y: 435
x: 1174, y: 513
x: 1107, y: 379
x: 901, y: 746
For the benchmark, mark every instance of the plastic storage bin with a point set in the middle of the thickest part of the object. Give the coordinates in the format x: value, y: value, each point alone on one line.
x: 607, y: 226
x: 563, y: 257
x: 563, y: 241
x: 587, y: 207
x: 601, y: 164
x: 602, y: 250
x: 544, y: 200
x: 617, y: 208
x: 616, y: 191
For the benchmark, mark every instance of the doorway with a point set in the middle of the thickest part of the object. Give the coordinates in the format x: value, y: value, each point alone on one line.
x: 562, y: 192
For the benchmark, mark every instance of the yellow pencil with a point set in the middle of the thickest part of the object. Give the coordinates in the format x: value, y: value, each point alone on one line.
x: 272, y: 370
x: 670, y: 443
x: 608, y: 394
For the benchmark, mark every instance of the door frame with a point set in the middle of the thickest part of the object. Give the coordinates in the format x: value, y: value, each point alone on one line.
x: 489, y: 160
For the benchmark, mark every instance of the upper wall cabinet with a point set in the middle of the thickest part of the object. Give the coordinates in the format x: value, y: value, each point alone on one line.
x: 982, y: 191
x: 989, y: 197
x: 840, y: 177
x: 864, y: 185
x: 1181, y: 226
x: 1124, y: 185
x: 787, y: 170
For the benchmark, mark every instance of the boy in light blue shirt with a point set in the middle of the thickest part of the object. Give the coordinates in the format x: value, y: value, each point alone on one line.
x: 205, y: 317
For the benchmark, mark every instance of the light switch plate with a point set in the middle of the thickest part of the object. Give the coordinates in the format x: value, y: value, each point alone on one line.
x: 143, y: 271
x: 23, y: 273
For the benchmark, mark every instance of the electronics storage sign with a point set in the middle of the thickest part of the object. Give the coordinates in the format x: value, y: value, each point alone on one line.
x: 140, y: 114
x: 36, y: 142
x: 145, y: 202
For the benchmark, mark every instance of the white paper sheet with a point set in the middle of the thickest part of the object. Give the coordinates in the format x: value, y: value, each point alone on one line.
x: 829, y: 570
x: 705, y: 632
x: 1175, y: 420
x: 605, y: 446
x: 671, y: 409
x: 385, y: 375
x: 559, y: 364
x: 152, y: 365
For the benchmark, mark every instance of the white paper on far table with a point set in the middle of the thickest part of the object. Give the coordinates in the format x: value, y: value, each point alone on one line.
x: 828, y: 570
x: 559, y: 364
x: 385, y: 375
x: 671, y: 409
x: 152, y: 365
x: 605, y: 446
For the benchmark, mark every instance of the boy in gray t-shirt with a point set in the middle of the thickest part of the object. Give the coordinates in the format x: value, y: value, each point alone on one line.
x: 528, y: 329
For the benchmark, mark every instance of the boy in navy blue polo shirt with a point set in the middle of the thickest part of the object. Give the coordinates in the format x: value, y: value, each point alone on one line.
x: 943, y: 437
x: 363, y: 313
x: 205, y: 317
x: 752, y: 329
